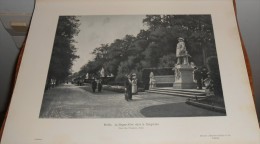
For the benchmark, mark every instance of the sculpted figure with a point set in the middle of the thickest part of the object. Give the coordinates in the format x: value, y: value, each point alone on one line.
x: 181, y: 52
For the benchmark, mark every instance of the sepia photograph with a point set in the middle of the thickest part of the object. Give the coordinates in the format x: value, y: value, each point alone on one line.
x: 133, y: 66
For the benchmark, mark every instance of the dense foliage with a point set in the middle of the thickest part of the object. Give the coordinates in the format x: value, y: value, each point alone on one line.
x: 214, y: 73
x: 64, y: 50
x: 156, y: 46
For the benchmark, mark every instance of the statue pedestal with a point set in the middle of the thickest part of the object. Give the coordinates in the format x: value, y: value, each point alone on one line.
x: 184, y: 77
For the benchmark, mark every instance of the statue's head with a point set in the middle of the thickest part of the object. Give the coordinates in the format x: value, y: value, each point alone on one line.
x: 180, y: 39
x: 134, y: 75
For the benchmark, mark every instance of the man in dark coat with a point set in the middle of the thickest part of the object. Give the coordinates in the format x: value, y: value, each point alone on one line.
x: 128, y: 88
x: 94, y: 85
x: 99, y: 85
x: 204, y: 74
x: 198, y: 77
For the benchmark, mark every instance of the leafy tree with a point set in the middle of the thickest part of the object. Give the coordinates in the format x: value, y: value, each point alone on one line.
x: 64, y: 50
x: 153, y: 21
x: 212, y: 64
x: 196, y: 29
x: 167, y: 61
x: 156, y: 46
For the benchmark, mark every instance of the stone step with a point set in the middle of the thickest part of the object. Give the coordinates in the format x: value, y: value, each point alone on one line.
x: 178, y: 94
x: 191, y: 93
x: 184, y: 91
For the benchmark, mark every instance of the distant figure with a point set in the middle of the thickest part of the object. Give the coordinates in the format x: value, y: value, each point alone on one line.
x: 94, y: 85
x: 99, y: 84
x: 204, y: 73
x: 198, y: 77
x: 53, y: 83
x: 128, y: 88
x: 152, y: 81
x: 208, y: 82
x: 134, y: 84
x: 87, y: 76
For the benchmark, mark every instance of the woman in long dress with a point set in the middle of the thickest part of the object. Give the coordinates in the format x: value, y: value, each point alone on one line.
x: 152, y: 81
x: 134, y: 84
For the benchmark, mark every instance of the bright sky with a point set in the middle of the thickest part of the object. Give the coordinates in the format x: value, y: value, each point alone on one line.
x: 97, y: 30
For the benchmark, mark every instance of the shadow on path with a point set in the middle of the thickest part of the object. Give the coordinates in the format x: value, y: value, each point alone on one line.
x: 177, y: 110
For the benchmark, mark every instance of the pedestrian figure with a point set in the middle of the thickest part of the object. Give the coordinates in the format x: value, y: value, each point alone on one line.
x: 128, y: 88
x: 94, y: 85
x: 151, y: 81
x: 134, y: 84
x: 53, y: 83
x: 99, y: 85
x: 204, y: 73
x: 209, y: 85
x: 198, y: 77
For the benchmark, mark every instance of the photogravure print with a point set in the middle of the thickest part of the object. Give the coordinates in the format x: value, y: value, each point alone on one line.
x: 133, y: 66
